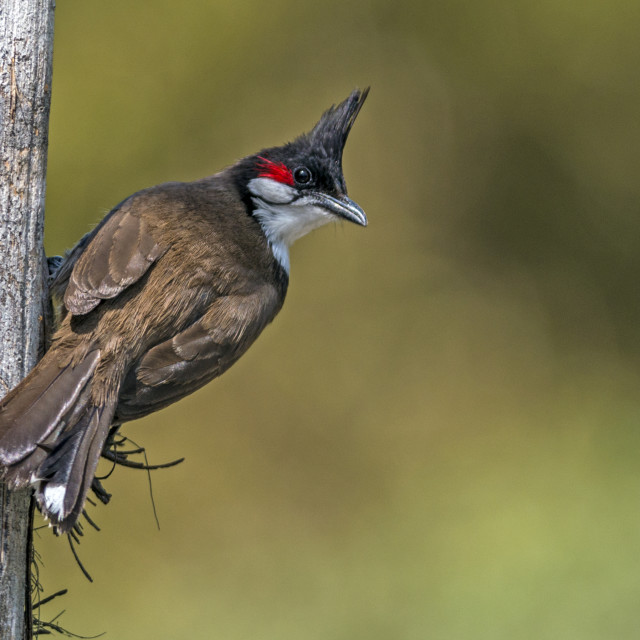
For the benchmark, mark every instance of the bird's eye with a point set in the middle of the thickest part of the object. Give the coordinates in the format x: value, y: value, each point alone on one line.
x: 302, y: 175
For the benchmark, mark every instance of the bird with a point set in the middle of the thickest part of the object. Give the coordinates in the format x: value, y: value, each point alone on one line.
x: 162, y: 296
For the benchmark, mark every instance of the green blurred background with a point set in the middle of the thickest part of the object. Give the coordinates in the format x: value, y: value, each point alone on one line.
x: 438, y: 437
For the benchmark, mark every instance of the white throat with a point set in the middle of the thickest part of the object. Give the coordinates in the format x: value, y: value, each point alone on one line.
x: 284, y: 215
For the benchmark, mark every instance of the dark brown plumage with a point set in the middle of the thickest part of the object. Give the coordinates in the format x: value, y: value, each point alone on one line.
x: 167, y: 292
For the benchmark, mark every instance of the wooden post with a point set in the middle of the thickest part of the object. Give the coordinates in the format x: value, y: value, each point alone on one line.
x: 26, y: 52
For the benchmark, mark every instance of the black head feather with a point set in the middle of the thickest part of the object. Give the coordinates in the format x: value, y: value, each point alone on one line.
x: 319, y: 150
x: 332, y: 130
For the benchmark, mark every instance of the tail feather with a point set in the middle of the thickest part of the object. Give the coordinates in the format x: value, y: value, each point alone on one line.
x: 52, y: 433
x: 38, y: 406
x: 25, y: 471
x: 67, y: 472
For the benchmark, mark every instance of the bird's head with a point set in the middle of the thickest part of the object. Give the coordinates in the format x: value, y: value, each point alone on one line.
x: 300, y: 186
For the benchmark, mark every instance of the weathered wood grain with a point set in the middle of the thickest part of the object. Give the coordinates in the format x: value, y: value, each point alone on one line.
x: 26, y: 50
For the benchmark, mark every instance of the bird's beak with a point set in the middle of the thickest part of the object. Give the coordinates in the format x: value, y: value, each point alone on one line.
x: 342, y: 207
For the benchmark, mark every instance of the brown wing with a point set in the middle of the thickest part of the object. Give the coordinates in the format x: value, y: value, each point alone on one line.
x: 120, y: 252
x: 179, y: 366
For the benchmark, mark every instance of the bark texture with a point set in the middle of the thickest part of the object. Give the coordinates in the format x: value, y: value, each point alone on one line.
x: 26, y: 50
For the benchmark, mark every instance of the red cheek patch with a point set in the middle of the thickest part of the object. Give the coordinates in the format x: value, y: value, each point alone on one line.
x: 275, y: 171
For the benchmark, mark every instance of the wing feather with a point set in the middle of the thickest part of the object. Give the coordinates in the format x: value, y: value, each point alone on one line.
x: 178, y: 366
x: 118, y: 255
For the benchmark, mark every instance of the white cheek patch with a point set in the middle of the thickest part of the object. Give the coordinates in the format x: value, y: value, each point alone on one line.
x: 285, y: 223
x: 288, y: 223
x: 272, y: 190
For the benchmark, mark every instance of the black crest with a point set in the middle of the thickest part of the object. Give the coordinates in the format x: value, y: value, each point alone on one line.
x: 332, y: 130
x: 319, y: 150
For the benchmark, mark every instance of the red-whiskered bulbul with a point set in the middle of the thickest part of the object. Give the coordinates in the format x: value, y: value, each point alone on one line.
x: 164, y: 295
